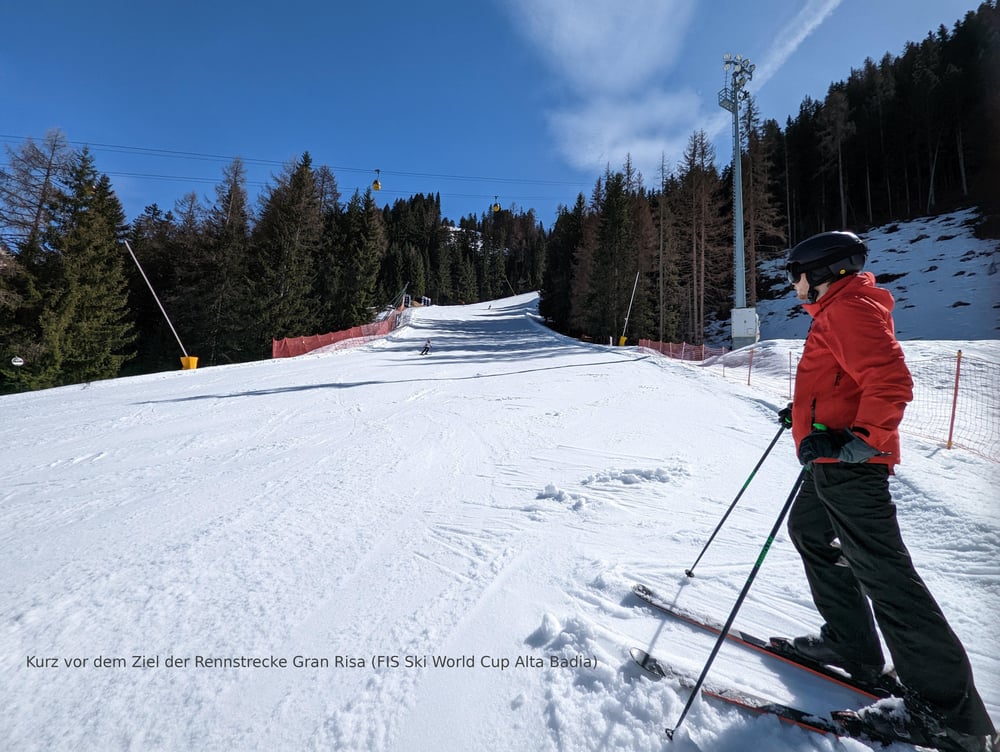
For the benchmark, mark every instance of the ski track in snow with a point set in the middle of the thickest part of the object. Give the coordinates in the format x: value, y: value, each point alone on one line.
x: 491, y: 502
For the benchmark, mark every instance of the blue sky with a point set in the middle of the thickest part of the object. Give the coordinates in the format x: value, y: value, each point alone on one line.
x: 523, y: 100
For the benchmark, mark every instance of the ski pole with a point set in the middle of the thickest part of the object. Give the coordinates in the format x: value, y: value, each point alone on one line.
x: 739, y: 601
x: 690, y: 572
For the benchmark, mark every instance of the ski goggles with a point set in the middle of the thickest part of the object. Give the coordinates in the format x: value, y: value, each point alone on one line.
x: 818, y: 271
x: 793, y: 271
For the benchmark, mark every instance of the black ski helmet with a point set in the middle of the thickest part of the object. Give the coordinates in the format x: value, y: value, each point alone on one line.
x: 826, y: 257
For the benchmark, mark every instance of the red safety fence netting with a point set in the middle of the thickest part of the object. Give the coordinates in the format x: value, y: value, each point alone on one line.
x: 353, y: 337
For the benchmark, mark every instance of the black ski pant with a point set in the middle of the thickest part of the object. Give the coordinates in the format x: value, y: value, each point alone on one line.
x: 843, y: 524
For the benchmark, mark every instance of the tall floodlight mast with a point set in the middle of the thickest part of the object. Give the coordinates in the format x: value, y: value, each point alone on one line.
x: 745, y: 322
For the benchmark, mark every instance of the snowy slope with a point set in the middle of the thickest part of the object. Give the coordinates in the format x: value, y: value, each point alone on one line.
x: 944, y: 280
x: 490, y: 502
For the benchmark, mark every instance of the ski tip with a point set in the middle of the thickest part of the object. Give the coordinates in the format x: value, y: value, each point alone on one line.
x: 639, y: 655
x: 647, y: 663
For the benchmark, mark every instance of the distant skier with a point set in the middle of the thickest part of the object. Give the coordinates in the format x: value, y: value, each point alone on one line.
x: 427, y: 348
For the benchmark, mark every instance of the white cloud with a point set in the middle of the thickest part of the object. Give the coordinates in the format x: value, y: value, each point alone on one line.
x: 788, y: 39
x: 605, y: 45
x: 614, y: 57
x: 603, y: 130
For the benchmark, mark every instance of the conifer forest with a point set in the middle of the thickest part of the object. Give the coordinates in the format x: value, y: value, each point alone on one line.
x: 908, y: 135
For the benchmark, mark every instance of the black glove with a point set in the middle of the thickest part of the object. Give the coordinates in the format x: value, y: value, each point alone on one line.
x: 785, y: 416
x: 840, y: 445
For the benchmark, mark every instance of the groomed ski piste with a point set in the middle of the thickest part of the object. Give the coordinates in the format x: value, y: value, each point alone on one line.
x: 372, y: 550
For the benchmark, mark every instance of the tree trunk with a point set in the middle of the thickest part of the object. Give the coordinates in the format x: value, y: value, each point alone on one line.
x: 930, y: 183
x: 868, y: 190
x: 840, y: 181
x: 961, y: 158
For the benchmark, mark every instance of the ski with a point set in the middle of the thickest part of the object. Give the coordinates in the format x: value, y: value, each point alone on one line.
x: 737, y: 697
x: 779, y: 648
x: 841, y: 723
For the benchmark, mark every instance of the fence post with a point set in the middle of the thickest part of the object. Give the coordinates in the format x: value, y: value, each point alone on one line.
x: 954, y: 400
x: 750, y: 365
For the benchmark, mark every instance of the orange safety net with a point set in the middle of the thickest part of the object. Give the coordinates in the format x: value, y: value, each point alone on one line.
x: 956, y: 399
x: 289, y: 347
x: 682, y: 350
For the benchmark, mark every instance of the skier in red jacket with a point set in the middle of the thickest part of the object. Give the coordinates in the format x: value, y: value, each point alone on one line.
x: 851, y: 388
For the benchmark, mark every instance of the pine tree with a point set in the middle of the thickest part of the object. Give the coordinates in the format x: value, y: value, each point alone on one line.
x: 19, y: 302
x: 445, y: 260
x: 707, y: 272
x: 413, y: 230
x: 217, y: 286
x: 366, y: 302
x: 668, y: 299
x: 615, y: 262
x: 491, y: 257
x: 557, y: 284
x: 524, y: 261
x: 928, y: 76
x: 807, y: 204
x: 32, y: 184
x: 86, y: 323
x: 885, y: 93
x: 762, y: 221
x: 584, y: 261
x: 326, y: 190
x: 154, y: 240
x: 466, y: 280
x: 285, y: 246
x: 359, y: 259
x: 835, y: 128
x: 644, y: 315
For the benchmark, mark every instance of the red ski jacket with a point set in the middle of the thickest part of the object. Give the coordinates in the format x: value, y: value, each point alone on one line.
x: 852, y: 373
